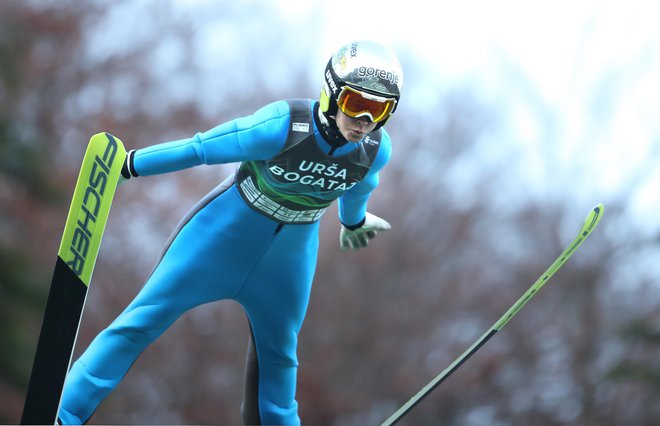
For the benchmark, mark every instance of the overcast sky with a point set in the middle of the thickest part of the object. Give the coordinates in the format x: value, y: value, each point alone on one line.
x: 576, y: 84
x: 576, y: 78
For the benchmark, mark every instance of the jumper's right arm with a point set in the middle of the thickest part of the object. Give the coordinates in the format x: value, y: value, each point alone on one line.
x: 258, y: 136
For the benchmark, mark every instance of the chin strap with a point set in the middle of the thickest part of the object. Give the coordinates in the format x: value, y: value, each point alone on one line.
x: 329, y: 128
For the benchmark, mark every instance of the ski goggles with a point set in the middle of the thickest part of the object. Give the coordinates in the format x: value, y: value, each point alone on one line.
x: 355, y: 104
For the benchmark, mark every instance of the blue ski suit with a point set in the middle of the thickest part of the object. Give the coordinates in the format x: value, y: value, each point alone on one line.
x: 252, y: 240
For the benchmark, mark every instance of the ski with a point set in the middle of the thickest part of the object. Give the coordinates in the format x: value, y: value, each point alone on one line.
x: 589, y: 225
x: 83, y: 231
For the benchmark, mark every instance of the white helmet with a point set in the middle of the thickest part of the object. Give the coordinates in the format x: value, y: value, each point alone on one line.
x: 362, y: 78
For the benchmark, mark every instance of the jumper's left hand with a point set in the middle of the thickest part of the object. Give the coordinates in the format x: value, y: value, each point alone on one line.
x: 359, y: 238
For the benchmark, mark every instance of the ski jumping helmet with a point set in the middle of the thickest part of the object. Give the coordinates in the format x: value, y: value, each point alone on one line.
x: 363, y: 78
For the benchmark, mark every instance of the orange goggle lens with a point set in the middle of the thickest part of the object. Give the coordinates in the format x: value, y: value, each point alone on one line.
x: 359, y: 104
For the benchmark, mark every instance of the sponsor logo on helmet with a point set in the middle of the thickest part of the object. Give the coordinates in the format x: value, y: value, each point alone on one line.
x: 377, y: 72
x: 354, y: 50
x: 343, y: 63
x: 339, y: 59
x: 331, y: 82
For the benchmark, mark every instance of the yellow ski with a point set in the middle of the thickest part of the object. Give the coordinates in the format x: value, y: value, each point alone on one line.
x: 76, y: 258
x: 588, y: 226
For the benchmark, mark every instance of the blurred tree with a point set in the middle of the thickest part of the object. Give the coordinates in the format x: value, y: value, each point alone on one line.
x: 644, y: 340
x: 637, y: 373
x: 28, y: 181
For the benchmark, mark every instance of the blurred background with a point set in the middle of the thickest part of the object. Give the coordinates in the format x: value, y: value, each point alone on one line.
x: 516, y: 119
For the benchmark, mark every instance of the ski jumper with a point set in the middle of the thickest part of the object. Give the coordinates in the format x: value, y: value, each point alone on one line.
x: 253, y: 239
